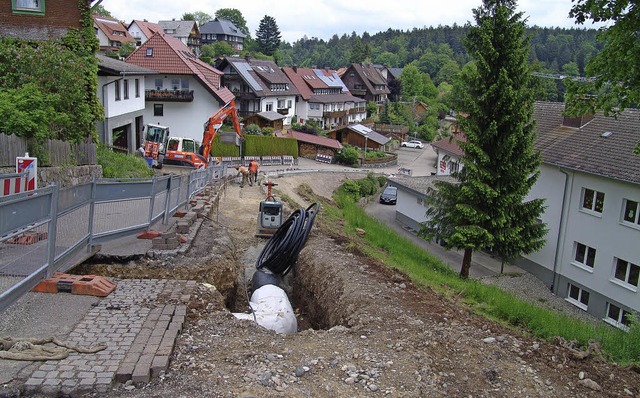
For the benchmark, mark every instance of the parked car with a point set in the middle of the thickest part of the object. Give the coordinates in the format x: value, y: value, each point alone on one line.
x: 412, y: 144
x: 389, y: 196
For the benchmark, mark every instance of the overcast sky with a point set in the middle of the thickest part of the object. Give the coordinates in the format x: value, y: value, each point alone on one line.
x: 322, y: 19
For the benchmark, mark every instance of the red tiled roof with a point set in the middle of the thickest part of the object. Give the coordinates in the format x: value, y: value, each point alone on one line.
x: 305, y: 91
x: 450, y: 144
x: 113, y: 29
x: 147, y: 28
x: 311, y: 139
x: 171, y: 56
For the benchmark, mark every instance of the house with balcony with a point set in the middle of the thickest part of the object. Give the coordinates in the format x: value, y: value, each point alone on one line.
x: 141, y: 31
x: 259, y: 86
x: 122, y: 95
x: 185, y: 31
x: 324, y: 98
x: 30, y: 19
x: 185, y: 92
x: 367, y: 82
x: 222, y: 30
x: 111, y: 33
x: 590, y: 180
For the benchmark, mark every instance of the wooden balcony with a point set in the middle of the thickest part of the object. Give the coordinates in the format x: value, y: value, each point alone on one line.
x: 354, y: 111
x: 169, y: 95
x: 335, y: 114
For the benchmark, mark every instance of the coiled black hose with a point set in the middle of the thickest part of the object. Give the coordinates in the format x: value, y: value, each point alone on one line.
x: 281, y: 252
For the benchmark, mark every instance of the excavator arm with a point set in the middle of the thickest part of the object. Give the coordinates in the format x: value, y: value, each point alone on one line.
x: 215, y: 122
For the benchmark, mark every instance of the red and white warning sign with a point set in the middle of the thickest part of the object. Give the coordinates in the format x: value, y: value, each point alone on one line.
x: 30, y: 165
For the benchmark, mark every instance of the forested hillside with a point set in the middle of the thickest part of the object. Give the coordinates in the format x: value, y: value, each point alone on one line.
x: 440, y: 52
x: 553, y: 48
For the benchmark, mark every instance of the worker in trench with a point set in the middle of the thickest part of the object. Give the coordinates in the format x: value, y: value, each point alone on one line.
x: 253, y: 171
x: 244, y: 172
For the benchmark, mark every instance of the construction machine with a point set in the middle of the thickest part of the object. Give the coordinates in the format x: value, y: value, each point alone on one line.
x: 269, y: 214
x: 160, y: 148
x: 182, y: 152
x: 156, y: 138
x: 214, y: 124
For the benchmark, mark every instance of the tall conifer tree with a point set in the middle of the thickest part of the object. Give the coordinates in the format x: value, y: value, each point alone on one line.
x: 486, y: 210
x: 268, y: 36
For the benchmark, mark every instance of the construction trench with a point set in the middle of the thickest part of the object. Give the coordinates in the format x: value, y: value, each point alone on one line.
x: 224, y: 257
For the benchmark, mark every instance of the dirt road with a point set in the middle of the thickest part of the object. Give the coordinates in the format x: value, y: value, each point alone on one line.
x: 367, y: 331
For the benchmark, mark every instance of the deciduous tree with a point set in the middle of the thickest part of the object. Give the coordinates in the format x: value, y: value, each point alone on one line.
x: 200, y: 17
x: 486, y: 210
x: 613, y: 74
x: 235, y: 16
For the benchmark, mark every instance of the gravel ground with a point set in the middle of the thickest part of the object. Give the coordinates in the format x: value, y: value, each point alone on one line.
x: 365, y: 330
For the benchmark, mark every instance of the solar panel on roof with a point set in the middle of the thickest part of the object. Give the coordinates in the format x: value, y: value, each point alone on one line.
x: 243, y: 69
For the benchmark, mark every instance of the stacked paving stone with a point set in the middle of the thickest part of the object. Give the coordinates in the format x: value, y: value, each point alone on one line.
x: 184, y: 224
x: 139, y: 333
x: 166, y: 241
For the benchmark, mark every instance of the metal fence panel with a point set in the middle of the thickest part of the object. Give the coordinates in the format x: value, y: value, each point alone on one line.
x: 41, y: 230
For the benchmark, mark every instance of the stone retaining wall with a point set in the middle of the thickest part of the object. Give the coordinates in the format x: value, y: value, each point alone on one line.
x: 63, y: 177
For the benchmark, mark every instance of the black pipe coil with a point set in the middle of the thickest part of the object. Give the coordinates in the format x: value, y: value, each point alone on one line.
x: 281, y: 252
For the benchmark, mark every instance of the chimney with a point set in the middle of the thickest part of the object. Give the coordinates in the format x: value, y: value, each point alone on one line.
x: 295, y: 69
x: 577, y: 121
x: 247, y: 58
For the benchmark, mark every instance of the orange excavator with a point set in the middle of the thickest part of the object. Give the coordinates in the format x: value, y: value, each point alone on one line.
x: 214, y: 123
x: 161, y: 148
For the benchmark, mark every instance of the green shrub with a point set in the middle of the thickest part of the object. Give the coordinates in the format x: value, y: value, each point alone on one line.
x: 347, y: 155
x: 120, y: 165
x: 253, y: 129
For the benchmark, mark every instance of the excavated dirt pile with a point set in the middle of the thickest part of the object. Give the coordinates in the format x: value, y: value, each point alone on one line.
x: 367, y: 331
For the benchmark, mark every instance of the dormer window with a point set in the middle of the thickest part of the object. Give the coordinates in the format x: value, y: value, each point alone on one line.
x: 149, y: 51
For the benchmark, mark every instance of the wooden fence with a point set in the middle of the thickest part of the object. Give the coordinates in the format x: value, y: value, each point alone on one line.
x: 60, y: 152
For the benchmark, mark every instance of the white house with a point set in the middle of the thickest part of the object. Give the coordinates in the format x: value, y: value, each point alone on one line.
x: 259, y: 86
x: 121, y: 92
x: 185, y: 92
x: 590, y: 180
x: 412, y: 193
x: 142, y: 30
x: 449, y: 154
x: 325, y: 98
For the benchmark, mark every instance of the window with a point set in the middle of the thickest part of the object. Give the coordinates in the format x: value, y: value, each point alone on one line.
x: 585, y: 255
x: 578, y: 296
x: 159, y: 84
x: 631, y: 212
x: 175, y: 84
x: 149, y: 52
x: 116, y: 87
x: 126, y: 89
x: 617, y: 316
x: 289, y: 103
x: 137, y: 88
x: 158, y: 110
x: 627, y: 272
x: 592, y: 200
x: 269, y: 106
x: 281, y: 104
x: 28, y: 6
x: 185, y: 84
